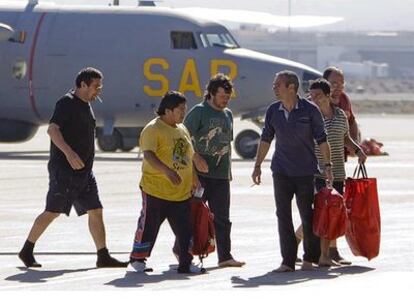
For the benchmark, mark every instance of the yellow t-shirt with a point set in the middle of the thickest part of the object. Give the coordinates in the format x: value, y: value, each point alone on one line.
x: 173, y: 147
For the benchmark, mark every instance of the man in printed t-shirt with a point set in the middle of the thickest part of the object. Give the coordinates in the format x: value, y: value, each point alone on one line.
x: 166, y: 184
x: 210, y: 124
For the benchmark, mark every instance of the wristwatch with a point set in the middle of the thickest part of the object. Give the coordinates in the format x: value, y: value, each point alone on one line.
x: 328, y: 164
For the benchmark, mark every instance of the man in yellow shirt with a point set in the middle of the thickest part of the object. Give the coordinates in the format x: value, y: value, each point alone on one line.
x: 167, y: 182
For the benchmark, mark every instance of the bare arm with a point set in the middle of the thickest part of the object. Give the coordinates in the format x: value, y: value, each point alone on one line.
x: 155, y: 162
x: 260, y: 156
x: 326, y: 155
x: 57, y: 138
x: 200, y: 163
x: 351, y: 144
x: 353, y: 131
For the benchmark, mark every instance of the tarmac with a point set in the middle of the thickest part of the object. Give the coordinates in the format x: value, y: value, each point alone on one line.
x: 68, y: 255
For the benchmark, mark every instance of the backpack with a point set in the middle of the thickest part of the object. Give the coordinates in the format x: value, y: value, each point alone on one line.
x: 202, y: 224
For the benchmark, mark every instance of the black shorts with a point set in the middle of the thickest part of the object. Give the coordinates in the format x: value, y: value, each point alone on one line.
x: 67, y: 188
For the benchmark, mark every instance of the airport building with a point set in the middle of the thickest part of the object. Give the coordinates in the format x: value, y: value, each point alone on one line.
x: 362, y: 55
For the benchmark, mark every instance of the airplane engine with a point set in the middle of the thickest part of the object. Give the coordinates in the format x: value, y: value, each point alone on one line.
x: 16, y: 131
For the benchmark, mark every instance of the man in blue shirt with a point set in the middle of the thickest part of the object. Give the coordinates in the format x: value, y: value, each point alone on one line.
x: 296, y: 124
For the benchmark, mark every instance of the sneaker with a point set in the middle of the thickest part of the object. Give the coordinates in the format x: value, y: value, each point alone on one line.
x: 335, y: 256
x: 139, y: 266
x: 110, y: 262
x: 307, y: 266
x: 231, y: 263
x: 283, y: 268
x: 28, y: 259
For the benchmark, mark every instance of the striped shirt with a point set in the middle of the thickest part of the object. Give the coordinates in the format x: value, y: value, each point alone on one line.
x: 336, y: 127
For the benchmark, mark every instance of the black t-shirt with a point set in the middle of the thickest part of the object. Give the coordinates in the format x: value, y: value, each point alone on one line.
x: 76, y: 121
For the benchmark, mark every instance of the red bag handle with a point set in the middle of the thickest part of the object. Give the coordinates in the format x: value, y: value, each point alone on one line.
x: 361, y: 170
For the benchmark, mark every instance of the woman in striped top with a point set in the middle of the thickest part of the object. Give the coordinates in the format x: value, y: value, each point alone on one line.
x: 337, y: 128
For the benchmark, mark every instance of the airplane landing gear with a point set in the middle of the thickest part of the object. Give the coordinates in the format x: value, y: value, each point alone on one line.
x: 124, y: 139
x: 109, y: 143
x: 246, y: 144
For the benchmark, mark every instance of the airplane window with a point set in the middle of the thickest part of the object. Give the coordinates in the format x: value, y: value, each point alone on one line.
x: 19, y: 69
x: 183, y: 40
x: 231, y: 39
x: 221, y: 40
x: 204, y: 40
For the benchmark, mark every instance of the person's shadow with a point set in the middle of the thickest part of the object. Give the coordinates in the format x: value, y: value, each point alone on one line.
x: 289, y: 278
x: 31, y: 275
x: 134, y: 279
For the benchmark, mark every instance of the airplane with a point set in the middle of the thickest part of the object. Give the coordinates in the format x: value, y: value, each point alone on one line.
x: 142, y: 51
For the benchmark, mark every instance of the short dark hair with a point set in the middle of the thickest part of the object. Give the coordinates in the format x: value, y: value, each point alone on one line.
x: 87, y: 75
x: 290, y: 78
x: 218, y: 81
x: 321, y: 84
x: 329, y: 70
x: 170, y: 101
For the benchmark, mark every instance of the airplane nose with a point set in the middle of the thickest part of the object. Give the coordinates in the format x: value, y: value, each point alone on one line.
x: 255, y: 79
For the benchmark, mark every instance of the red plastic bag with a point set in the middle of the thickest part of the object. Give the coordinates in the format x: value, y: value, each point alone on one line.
x: 202, y: 225
x: 329, y: 214
x: 363, y: 224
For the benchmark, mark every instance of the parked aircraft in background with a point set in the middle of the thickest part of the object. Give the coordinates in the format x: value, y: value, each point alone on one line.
x: 142, y: 51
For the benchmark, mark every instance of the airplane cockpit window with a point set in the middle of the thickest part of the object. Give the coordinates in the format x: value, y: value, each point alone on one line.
x: 224, y: 40
x: 203, y: 39
x: 183, y: 40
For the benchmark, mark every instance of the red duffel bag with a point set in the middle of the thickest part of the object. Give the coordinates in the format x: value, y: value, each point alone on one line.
x: 202, y: 225
x: 329, y: 214
x: 363, y: 224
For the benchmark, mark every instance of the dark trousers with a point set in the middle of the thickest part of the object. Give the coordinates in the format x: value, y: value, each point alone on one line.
x: 154, y: 212
x: 217, y: 194
x: 303, y: 188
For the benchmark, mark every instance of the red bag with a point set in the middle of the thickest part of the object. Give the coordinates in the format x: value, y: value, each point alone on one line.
x: 329, y: 214
x: 363, y: 225
x: 202, y: 225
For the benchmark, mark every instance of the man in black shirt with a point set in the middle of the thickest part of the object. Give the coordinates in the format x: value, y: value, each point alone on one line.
x: 71, y: 180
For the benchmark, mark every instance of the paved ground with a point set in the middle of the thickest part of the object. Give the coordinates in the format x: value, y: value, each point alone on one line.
x: 67, y: 252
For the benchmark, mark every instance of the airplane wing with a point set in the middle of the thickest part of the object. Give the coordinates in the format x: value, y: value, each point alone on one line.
x: 6, y: 32
x: 259, y: 18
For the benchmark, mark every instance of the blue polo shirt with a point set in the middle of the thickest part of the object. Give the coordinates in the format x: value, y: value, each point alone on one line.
x: 295, y: 133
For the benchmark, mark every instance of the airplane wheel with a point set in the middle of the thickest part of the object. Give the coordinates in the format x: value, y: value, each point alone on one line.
x: 246, y: 143
x: 127, y: 148
x: 109, y: 143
